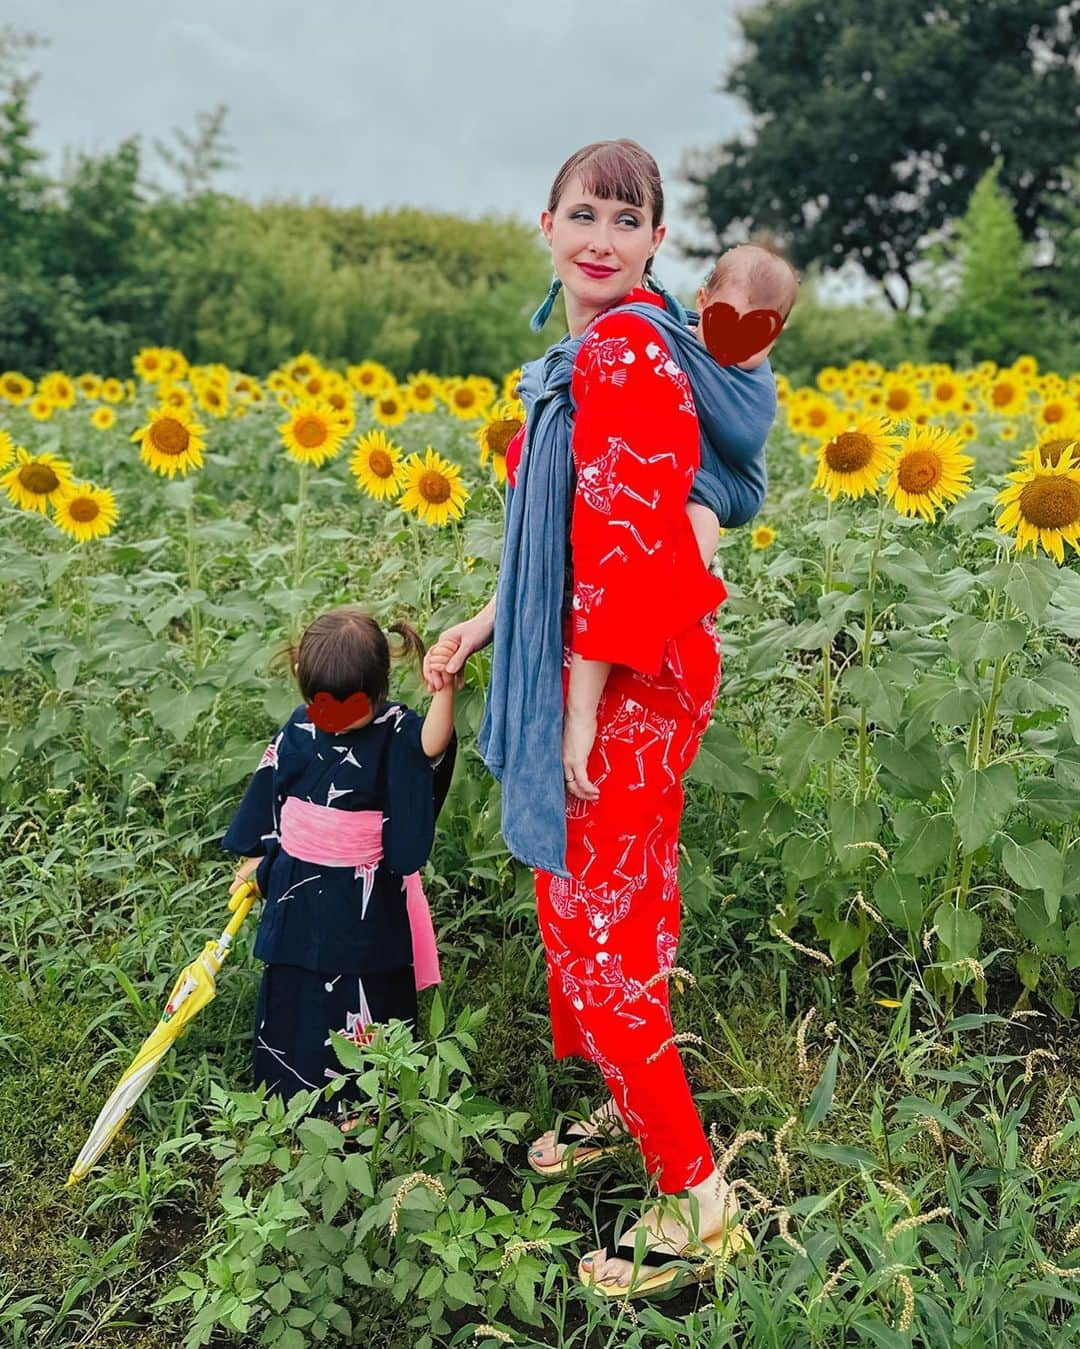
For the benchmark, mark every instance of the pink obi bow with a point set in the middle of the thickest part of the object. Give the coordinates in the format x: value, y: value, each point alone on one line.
x: 353, y: 838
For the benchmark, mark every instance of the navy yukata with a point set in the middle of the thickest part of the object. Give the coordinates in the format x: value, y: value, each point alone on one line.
x: 336, y: 959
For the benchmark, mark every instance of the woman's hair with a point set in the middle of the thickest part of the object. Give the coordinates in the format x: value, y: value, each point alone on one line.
x: 614, y: 171
x: 345, y: 651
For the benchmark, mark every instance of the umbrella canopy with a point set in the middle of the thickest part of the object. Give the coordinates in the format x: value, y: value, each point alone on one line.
x: 194, y: 988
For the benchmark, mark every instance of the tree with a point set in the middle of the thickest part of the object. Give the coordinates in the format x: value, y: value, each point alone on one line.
x: 22, y: 186
x: 872, y: 118
x: 992, y: 312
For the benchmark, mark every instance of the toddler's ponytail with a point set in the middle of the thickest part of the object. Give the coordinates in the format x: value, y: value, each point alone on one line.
x: 411, y: 642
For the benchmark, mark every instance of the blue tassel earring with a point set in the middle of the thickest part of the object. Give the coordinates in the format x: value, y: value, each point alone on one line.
x: 544, y: 312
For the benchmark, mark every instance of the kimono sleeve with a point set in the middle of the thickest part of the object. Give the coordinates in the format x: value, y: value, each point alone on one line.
x: 415, y: 789
x: 638, y: 575
x: 254, y: 827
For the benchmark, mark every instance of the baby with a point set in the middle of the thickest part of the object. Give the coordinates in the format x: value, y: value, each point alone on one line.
x: 746, y: 277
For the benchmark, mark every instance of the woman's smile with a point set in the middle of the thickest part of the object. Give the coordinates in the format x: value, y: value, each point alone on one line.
x: 596, y: 269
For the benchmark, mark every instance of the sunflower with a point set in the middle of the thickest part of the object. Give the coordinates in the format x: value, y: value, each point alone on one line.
x: 946, y: 392
x: 247, y: 388
x: 376, y: 466
x: 391, y: 406
x: 149, y: 364
x: 1053, y: 412
x: 423, y: 390
x: 1006, y: 394
x: 58, y: 389
x: 853, y: 461
x: 112, y: 391
x: 1042, y: 506
x: 828, y: 378
x: 174, y: 364
x: 86, y: 512
x: 901, y: 396
x: 7, y: 449
x: 512, y: 379
x: 1050, y: 449
x: 14, y: 387
x: 89, y: 385
x: 171, y: 442
x: 434, y: 491
x: 1027, y: 366
x: 762, y: 536
x: 495, y: 435
x: 928, y: 472
x: 41, y: 409
x: 369, y: 377
x: 36, y: 480
x: 174, y: 396
x: 463, y: 398
x: 312, y: 433
x: 103, y: 418
x: 301, y: 367
x: 213, y: 397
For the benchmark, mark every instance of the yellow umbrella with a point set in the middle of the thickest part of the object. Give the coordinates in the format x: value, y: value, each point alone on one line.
x: 191, y: 992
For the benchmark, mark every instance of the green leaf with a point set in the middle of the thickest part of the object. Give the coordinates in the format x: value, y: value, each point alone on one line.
x: 926, y: 847
x: 959, y: 930
x: 1072, y: 945
x: 1028, y: 968
x: 1036, y: 866
x: 916, y: 767
x: 899, y: 898
x: 1031, y: 587
x: 984, y: 800
x: 853, y: 822
x: 844, y: 1155
x: 177, y: 710
x: 437, y: 1017
x: 804, y: 857
x: 801, y: 746
x: 821, y: 1098
x: 1044, y: 933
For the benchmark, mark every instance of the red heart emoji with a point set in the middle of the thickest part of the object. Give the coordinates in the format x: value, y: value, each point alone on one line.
x: 332, y: 714
x: 732, y: 337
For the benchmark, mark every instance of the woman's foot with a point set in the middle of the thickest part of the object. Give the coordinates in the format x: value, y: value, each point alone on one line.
x: 671, y: 1230
x: 605, y: 1122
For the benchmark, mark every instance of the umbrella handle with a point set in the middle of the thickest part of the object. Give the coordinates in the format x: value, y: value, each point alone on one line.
x: 240, y: 905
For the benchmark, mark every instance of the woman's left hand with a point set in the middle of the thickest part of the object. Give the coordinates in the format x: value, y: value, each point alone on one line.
x: 579, y: 733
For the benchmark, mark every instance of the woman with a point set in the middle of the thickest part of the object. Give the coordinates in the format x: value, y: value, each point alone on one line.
x: 641, y: 673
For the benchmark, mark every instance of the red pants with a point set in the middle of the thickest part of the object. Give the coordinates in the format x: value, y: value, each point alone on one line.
x: 614, y: 924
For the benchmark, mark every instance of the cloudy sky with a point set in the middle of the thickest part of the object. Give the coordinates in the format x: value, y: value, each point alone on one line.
x: 467, y: 107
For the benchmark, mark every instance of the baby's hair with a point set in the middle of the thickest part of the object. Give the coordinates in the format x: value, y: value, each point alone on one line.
x: 344, y: 651
x: 771, y: 280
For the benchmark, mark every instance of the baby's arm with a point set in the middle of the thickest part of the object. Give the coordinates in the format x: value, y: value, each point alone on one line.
x: 439, y: 723
x: 706, y: 529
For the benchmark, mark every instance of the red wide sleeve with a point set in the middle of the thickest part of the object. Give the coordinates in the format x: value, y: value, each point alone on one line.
x: 638, y: 575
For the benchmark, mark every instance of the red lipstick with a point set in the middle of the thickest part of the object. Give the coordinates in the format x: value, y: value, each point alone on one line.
x: 596, y: 271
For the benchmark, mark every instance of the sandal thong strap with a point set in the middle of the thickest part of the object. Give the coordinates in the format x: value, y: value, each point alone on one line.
x: 651, y: 1258
x: 604, y: 1136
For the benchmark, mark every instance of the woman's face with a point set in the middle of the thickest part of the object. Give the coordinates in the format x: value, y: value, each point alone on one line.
x: 599, y: 248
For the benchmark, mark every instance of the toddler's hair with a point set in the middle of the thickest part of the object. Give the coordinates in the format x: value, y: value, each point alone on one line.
x: 770, y: 279
x: 344, y: 651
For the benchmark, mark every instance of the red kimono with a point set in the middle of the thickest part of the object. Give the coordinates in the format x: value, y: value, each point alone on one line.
x: 643, y: 600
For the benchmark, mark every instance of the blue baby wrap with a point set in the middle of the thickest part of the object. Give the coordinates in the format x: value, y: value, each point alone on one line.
x: 521, y: 735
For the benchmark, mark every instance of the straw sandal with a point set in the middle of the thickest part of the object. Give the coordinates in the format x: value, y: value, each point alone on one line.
x: 582, y: 1149
x: 660, y: 1271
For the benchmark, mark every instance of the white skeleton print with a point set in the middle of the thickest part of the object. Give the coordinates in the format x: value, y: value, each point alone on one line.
x: 666, y: 368
x: 635, y: 725
x: 605, y: 359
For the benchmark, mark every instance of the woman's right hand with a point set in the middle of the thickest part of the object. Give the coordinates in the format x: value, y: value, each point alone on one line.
x: 470, y: 636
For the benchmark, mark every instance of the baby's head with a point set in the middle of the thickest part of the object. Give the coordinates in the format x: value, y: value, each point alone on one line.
x: 345, y: 652
x: 750, y: 276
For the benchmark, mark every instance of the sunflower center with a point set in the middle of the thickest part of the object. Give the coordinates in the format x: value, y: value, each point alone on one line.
x: 1051, y: 502
x: 434, y: 487
x: 380, y: 463
x: 1050, y: 451
x: 944, y: 392
x: 388, y: 407
x: 170, y: 436
x: 310, y: 432
x: 919, y: 471
x: 849, y: 452
x: 898, y: 399
x: 83, y: 510
x: 422, y: 391
x: 39, y: 479
x: 816, y: 417
x: 1003, y: 393
x: 1053, y: 412
x: 464, y: 398
x: 13, y: 386
x: 499, y: 434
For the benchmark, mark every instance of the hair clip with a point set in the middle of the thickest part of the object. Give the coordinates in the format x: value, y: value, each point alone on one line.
x: 732, y: 337
x: 333, y: 715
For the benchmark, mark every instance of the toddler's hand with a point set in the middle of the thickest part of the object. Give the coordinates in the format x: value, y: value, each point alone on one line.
x: 436, y: 661
x: 246, y: 872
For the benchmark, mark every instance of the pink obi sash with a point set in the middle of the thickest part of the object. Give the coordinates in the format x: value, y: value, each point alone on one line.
x: 353, y: 838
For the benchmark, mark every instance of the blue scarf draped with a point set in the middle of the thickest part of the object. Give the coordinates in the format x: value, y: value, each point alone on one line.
x: 521, y: 735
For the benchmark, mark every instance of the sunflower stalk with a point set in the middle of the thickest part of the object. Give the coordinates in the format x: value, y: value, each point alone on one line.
x: 298, y: 549
x: 826, y: 648
x: 867, y: 648
x: 193, y: 585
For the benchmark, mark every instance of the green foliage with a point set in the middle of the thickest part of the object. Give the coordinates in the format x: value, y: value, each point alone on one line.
x: 990, y: 311
x: 871, y: 121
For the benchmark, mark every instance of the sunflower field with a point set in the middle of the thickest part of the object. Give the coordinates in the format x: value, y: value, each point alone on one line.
x: 877, y: 989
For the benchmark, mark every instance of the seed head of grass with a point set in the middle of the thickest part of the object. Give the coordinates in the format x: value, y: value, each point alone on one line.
x: 410, y: 1182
